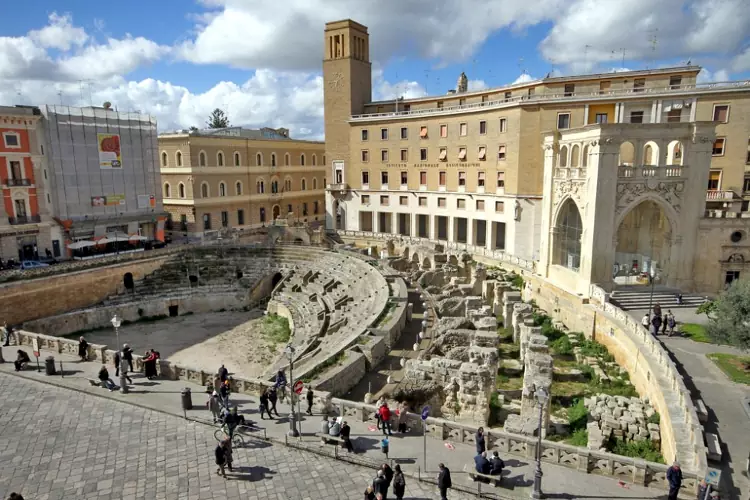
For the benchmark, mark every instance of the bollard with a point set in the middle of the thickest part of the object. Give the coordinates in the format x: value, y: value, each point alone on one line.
x: 186, y: 399
x: 62, y: 373
x: 2, y: 360
x: 49, y: 366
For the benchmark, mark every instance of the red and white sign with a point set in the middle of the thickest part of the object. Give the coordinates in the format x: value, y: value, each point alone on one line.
x: 297, y: 387
x: 35, y: 347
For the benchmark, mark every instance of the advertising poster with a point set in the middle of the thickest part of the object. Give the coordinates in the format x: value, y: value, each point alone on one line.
x: 109, y: 151
x: 98, y: 201
x: 112, y: 200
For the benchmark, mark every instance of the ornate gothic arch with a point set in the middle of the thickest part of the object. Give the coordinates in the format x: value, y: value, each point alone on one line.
x: 670, y: 211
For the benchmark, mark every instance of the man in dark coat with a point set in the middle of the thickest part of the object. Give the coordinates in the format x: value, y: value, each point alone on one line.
x: 480, y: 441
x: 127, y: 355
x: 380, y: 484
x: 444, y: 481
x: 83, y: 349
x: 497, y: 464
x: 674, y: 478
x: 309, y: 400
x: 345, y: 432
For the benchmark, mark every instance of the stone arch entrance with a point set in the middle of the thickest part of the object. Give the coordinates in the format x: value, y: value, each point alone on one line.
x: 568, y: 233
x: 275, y: 280
x: 276, y: 212
x: 643, y: 245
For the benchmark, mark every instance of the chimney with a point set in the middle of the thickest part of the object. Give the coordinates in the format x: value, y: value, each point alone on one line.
x: 463, y: 83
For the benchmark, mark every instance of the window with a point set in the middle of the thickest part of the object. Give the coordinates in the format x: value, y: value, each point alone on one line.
x: 443, y: 156
x: 220, y: 159
x: 482, y: 154
x: 443, y: 130
x: 747, y: 158
x: 384, y: 155
x: 222, y: 189
x: 503, y: 124
x: 441, y: 203
x: 365, y: 134
x: 49, y: 200
x: 181, y: 190
x: 462, y: 101
x: 384, y: 200
x: 315, y: 207
x: 570, y: 228
x: 240, y: 217
x: 675, y: 82
x: 441, y: 177
x: 167, y: 190
x: 719, y: 146
x: 45, y: 174
x: 480, y: 205
x: 403, y: 201
x: 508, y: 95
x: 258, y: 159
x: 315, y: 182
x: 423, y: 178
x: 365, y: 199
x: 462, y: 178
x: 384, y: 178
x: 501, y: 179
x: 263, y: 215
x: 202, y: 159
x: 183, y: 222
x: 714, y: 180
x: 404, y: 133
x: 563, y: 121
x: 480, y: 179
x: 422, y: 201
x: 463, y: 129
x: 404, y: 177
x: 206, y: 221
x: 164, y: 159
x: 639, y: 84
x: 423, y: 154
x: 570, y: 89
x: 289, y: 209
x: 274, y: 186
x: 482, y: 127
x: 404, y: 155
x: 721, y: 113
x: 15, y: 170
x: 287, y: 160
x: 236, y: 159
x: 365, y: 156
x: 636, y: 117
x: 461, y: 203
x: 238, y: 188
x: 11, y: 140
x: 384, y: 134
x: 601, y: 118
x: 499, y: 207
x: 461, y: 153
x: 273, y: 159
x: 260, y: 187
x: 440, y: 104
x: 204, y: 190
x: 304, y: 209
x: 314, y: 159
x: 674, y: 115
x: 302, y: 159
x: 501, y: 152
x: 324, y: 159
x: 746, y: 185
x: 365, y: 178
x: 224, y: 219
x: 604, y: 87
x: 423, y: 132
x: 303, y: 184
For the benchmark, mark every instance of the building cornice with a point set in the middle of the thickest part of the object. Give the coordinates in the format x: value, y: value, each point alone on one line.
x: 317, y: 169
x: 223, y: 201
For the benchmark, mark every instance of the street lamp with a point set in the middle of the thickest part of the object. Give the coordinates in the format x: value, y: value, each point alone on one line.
x: 651, y: 276
x: 541, y: 397
x: 289, y: 350
x: 116, y: 322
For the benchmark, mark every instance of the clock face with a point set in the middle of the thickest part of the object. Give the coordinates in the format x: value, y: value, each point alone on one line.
x: 337, y: 82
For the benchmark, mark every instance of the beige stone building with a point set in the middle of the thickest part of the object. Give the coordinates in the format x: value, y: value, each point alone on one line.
x: 468, y: 167
x: 240, y: 178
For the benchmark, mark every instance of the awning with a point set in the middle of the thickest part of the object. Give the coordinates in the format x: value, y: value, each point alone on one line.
x: 462, y: 154
x: 137, y: 237
x: 423, y: 132
x: 77, y: 245
x: 443, y: 154
x: 482, y: 153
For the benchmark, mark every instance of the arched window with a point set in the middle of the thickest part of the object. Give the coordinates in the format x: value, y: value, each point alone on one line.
x: 181, y: 190
x: 585, y: 158
x: 302, y: 159
x: 222, y: 189
x: 274, y: 187
x: 260, y: 187
x: 204, y: 190
x: 315, y: 183
x: 563, y: 162
x: 627, y: 153
x: 258, y: 159
x: 163, y: 159
x: 236, y: 159
x: 324, y: 159
x: 273, y: 159
x: 220, y: 159
x: 287, y: 184
x: 303, y: 184
x: 287, y: 160
x: 178, y: 159
x: 314, y: 159
x: 648, y: 155
x: 238, y: 188
x: 202, y: 159
x: 575, y: 156
x: 263, y: 215
x: 569, y: 231
x: 167, y: 190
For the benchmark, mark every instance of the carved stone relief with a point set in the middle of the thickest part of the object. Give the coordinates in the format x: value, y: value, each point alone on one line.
x: 575, y: 188
x: 670, y: 192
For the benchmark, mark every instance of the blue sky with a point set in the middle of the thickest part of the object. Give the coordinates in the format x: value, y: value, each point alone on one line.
x: 177, y: 59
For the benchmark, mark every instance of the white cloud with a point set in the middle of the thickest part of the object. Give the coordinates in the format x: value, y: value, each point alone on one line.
x: 706, y: 76
x: 116, y: 57
x: 741, y: 62
x: 384, y: 90
x: 477, y: 85
x: 59, y: 34
x: 523, y: 78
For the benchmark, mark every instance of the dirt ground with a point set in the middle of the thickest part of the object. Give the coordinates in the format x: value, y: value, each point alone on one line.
x: 202, y: 341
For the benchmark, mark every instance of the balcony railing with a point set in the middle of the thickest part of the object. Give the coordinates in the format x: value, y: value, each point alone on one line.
x: 721, y: 196
x: 338, y: 187
x: 18, y: 182
x: 24, y: 219
x: 570, y: 173
x: 566, y: 96
x: 652, y: 171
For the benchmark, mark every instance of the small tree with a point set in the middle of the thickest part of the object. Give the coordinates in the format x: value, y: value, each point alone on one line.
x: 730, y: 318
x: 217, y: 119
x: 193, y: 128
x: 708, y: 308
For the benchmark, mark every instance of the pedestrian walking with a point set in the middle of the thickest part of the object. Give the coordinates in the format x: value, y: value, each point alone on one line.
x: 272, y: 398
x: 221, y: 459
x: 380, y: 484
x: 672, y: 323
x: 399, y: 483
x: 83, y: 349
x: 214, y: 405
x: 480, y: 442
x: 8, y: 331
x: 264, y: 405
x: 309, y: 400
x: 444, y: 481
x: 674, y: 478
x: 646, y: 321
x: 224, y: 392
x: 387, y: 473
x: 121, y: 366
x: 228, y: 453
x: 384, y: 445
x: 402, y: 417
x: 370, y: 493
x: 344, y: 434
x: 127, y: 355
x: 379, y: 405
x: 664, y: 322
x: 656, y: 324
x: 385, y: 418
x: 117, y: 363
x: 223, y: 373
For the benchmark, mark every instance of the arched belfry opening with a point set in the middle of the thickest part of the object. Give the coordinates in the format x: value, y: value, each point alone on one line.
x: 644, y: 240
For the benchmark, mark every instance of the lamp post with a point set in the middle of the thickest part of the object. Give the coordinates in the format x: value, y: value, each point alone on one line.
x: 536, y: 492
x: 292, y: 417
x: 116, y: 322
x: 651, y: 276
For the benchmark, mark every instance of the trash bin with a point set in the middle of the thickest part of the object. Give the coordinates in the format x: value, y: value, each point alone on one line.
x: 49, y: 366
x: 187, y: 399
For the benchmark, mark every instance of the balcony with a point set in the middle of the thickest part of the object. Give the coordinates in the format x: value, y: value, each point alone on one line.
x: 24, y: 219
x: 722, y: 196
x: 649, y: 171
x: 341, y: 187
x: 570, y: 173
x: 18, y: 182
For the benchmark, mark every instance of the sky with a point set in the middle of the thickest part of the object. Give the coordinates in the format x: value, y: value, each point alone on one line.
x: 260, y: 60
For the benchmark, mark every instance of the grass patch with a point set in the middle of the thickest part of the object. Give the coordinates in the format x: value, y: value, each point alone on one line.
x: 737, y: 368
x: 385, y: 315
x: 495, y: 408
x: 516, y: 281
x: 579, y: 437
x: 363, y: 339
x: 695, y: 332
x: 505, y: 334
x: 655, y: 418
x: 505, y: 351
x: 548, y: 330
x: 318, y: 370
x: 577, y: 416
x: 645, y: 449
x: 507, y: 383
x: 570, y: 389
x: 275, y: 329
x: 562, y: 346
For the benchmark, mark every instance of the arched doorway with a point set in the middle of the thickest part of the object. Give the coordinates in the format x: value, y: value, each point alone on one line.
x: 643, y: 245
x: 276, y: 212
x: 275, y: 280
x: 569, y: 229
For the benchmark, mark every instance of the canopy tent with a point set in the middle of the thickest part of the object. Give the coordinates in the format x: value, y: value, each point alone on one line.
x: 77, y: 245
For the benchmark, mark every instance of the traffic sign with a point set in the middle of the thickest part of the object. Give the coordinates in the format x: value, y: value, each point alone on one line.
x: 297, y: 387
x: 713, y: 476
x: 35, y: 346
x: 425, y: 412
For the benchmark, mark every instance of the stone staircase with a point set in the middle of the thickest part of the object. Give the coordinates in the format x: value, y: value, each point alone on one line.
x: 629, y: 298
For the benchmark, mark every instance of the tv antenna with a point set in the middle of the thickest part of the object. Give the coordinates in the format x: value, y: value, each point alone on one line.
x: 653, y: 40
x: 586, y: 56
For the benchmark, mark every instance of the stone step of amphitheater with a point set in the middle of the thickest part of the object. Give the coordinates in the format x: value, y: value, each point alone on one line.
x: 635, y: 298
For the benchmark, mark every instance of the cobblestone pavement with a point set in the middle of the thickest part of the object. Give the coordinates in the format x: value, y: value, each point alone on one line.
x: 60, y: 444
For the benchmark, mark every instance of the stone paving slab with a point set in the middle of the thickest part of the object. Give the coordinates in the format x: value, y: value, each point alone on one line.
x: 164, y: 396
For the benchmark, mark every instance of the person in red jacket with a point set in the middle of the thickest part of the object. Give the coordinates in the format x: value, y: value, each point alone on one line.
x: 385, y: 417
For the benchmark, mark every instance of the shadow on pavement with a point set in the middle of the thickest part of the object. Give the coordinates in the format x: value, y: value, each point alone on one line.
x: 250, y: 473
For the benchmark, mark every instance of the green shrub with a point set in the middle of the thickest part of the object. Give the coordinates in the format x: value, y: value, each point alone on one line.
x: 579, y: 438
x: 562, y: 346
x: 655, y: 418
x: 577, y: 416
x: 517, y: 281
x: 645, y: 449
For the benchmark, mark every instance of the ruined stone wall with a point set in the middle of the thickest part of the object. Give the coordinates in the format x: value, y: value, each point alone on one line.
x: 340, y: 379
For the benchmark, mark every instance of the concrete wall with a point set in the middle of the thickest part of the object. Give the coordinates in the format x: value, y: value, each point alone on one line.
x: 39, y: 298
x: 374, y: 350
x: 339, y: 379
x: 391, y: 330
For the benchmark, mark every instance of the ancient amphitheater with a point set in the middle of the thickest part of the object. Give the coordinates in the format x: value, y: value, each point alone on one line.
x: 473, y: 317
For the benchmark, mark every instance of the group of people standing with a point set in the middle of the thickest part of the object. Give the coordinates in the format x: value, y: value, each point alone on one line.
x: 123, y: 361
x: 657, y: 322
x: 384, y: 479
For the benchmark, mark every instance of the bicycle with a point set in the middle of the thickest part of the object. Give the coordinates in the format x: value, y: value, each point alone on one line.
x: 222, y: 433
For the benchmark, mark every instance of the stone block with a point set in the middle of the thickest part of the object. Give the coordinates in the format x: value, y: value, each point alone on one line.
x: 653, y: 427
x: 655, y: 436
